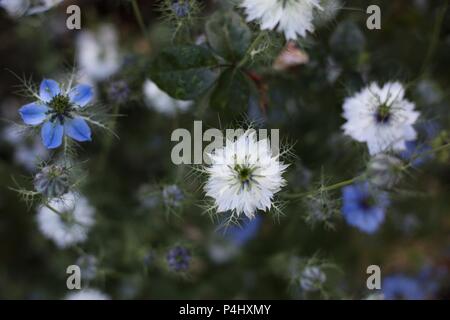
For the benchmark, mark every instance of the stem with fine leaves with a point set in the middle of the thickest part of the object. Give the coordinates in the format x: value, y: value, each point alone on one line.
x: 138, y: 15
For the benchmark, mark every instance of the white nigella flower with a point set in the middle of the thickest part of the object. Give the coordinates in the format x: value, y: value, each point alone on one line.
x: 15, y: 8
x: 87, y: 294
x: 244, y: 176
x: 381, y: 117
x: 69, y: 227
x: 28, y: 151
x: 18, y: 8
x: 98, y: 54
x: 292, y: 17
x: 157, y: 99
x: 38, y: 6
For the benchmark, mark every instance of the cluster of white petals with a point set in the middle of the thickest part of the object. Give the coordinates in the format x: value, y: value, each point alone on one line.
x: 380, y: 117
x: 244, y: 175
x: 18, y: 8
x: 70, y: 224
x: 294, y: 18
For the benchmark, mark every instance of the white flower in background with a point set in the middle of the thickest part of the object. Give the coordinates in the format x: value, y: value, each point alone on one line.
x: 74, y: 223
x: 98, y: 53
x: 18, y: 8
x: 381, y: 117
x: 88, y: 265
x: 28, y: 151
x: 38, y: 6
x: 15, y: 8
x: 294, y: 18
x: 157, y: 99
x: 87, y: 294
x: 244, y: 176
x: 375, y: 296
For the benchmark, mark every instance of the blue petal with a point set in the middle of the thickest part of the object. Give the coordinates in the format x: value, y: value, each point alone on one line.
x: 33, y: 113
x: 49, y: 89
x: 77, y: 129
x: 52, y: 134
x: 81, y: 95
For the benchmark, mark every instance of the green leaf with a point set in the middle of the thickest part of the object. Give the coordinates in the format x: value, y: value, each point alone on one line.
x: 231, y: 92
x: 228, y: 35
x: 184, y: 72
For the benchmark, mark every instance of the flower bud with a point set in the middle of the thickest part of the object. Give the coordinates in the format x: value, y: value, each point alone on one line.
x: 172, y: 196
x: 179, y: 259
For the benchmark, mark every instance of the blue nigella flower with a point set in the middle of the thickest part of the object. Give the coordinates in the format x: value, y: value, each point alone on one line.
x: 57, y: 111
x: 417, y: 153
x: 239, y: 235
x: 363, y: 208
x: 401, y: 287
x: 179, y: 258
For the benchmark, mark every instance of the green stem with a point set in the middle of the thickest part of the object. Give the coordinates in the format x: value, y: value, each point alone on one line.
x: 108, y: 139
x: 360, y: 177
x: 434, y: 39
x: 53, y: 209
x: 250, y: 49
x: 432, y: 151
x: 323, y: 189
x: 138, y: 15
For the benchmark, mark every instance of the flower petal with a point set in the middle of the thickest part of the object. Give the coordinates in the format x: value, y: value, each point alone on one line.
x: 77, y: 129
x: 49, y: 88
x: 52, y: 134
x: 33, y: 113
x: 81, y: 95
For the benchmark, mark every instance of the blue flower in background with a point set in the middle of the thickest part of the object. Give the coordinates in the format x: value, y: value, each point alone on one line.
x: 400, y: 287
x: 363, y: 208
x: 181, y: 8
x: 239, y: 235
x: 57, y: 111
x: 417, y: 153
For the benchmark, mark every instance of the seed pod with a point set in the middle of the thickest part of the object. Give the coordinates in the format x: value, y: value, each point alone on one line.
x: 312, y: 278
x: 52, y: 181
x: 384, y: 170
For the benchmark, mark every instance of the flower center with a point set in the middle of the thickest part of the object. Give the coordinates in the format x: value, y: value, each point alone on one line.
x: 68, y: 218
x: 383, y: 113
x: 366, y: 203
x: 60, y: 107
x: 244, y: 173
